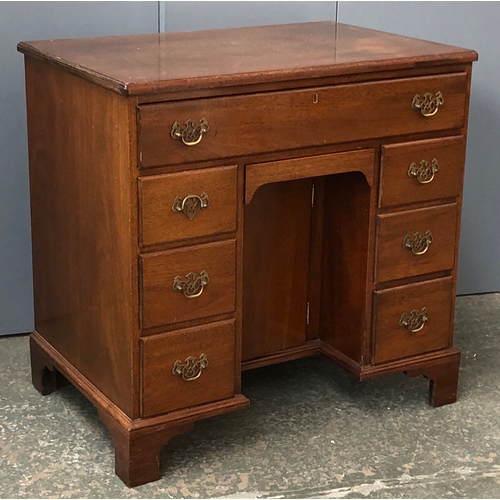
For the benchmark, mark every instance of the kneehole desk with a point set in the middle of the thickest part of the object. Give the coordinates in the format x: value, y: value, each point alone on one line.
x: 205, y: 203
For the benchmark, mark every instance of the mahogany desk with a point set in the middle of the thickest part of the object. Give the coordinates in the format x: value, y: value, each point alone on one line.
x: 205, y: 203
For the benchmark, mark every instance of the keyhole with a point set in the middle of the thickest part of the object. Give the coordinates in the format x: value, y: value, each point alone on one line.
x: 315, y: 99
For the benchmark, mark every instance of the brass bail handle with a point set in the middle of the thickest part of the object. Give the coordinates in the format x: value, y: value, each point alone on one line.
x: 191, y: 368
x: 424, y: 172
x: 192, y: 285
x: 415, y: 320
x: 190, y: 205
x: 190, y: 133
x: 428, y: 104
x: 419, y: 244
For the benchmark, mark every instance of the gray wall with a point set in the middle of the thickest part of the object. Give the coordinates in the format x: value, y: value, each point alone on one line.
x: 32, y: 21
x: 190, y: 16
x: 472, y: 25
x: 469, y: 24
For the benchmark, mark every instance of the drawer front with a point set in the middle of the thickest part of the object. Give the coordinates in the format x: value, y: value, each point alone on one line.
x: 274, y: 121
x: 189, y: 283
x: 413, y: 319
x: 422, y: 171
x: 188, y: 367
x: 416, y: 242
x: 187, y: 204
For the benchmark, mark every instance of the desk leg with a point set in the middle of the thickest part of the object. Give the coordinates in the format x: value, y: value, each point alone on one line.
x: 443, y: 379
x: 44, y: 375
x: 137, y: 451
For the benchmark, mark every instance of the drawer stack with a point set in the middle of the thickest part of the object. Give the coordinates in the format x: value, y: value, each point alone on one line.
x: 417, y: 231
x: 187, y: 278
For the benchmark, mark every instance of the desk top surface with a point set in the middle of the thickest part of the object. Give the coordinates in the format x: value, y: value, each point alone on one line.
x: 153, y: 63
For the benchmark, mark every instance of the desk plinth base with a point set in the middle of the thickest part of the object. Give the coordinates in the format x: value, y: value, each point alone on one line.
x: 440, y: 368
x: 137, y: 442
x: 443, y: 378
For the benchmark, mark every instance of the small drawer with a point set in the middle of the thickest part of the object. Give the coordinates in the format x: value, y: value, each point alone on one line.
x: 186, y: 205
x: 413, y: 319
x: 188, y: 367
x: 223, y: 127
x: 416, y: 242
x: 422, y: 171
x: 189, y: 283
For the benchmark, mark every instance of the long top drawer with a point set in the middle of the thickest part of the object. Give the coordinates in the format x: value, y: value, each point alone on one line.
x: 274, y: 121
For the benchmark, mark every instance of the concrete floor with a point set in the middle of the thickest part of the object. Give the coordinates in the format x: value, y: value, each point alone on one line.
x: 311, y: 432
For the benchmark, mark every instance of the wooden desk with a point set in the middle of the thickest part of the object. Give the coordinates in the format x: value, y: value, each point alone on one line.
x: 205, y: 203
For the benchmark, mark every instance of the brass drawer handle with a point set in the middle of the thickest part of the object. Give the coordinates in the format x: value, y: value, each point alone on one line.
x: 425, y: 172
x: 191, y: 204
x: 428, y: 104
x: 419, y: 244
x: 191, y: 368
x: 192, y: 285
x: 190, y: 134
x: 414, y: 321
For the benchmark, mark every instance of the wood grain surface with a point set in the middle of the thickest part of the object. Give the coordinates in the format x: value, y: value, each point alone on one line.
x: 398, y: 188
x: 160, y: 224
x: 141, y: 64
x: 81, y: 212
x: 395, y: 261
x: 163, y: 391
x: 393, y: 341
x: 258, y: 174
x: 345, y: 256
x: 161, y: 304
x: 275, y: 268
x: 292, y: 119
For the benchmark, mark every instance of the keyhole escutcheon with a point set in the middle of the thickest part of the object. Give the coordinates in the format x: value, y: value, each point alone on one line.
x: 315, y: 98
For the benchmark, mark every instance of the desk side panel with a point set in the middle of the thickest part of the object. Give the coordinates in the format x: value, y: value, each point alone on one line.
x: 343, y: 317
x: 82, y: 214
